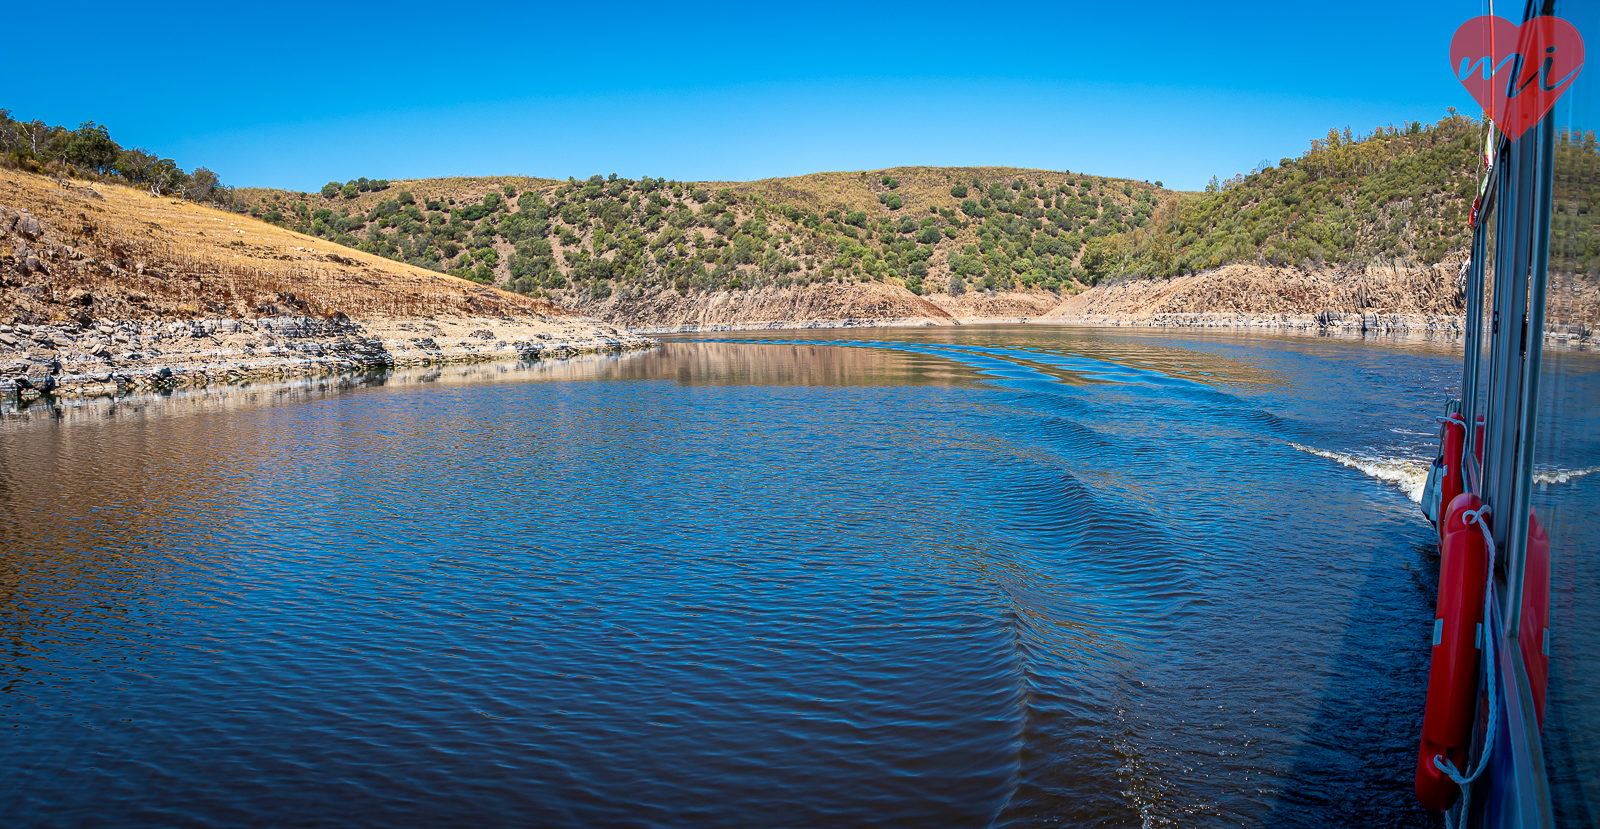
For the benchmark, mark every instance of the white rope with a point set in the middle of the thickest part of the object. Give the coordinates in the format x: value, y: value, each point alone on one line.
x: 1439, y: 761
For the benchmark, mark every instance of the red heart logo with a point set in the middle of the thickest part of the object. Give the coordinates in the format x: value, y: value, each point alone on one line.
x: 1516, y: 73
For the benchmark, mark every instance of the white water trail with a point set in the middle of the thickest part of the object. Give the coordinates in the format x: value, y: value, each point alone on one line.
x: 1561, y: 476
x: 1408, y: 475
x: 1412, y: 475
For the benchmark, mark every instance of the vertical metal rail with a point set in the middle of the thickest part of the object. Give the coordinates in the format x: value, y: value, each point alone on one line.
x: 1532, y: 353
x: 1507, y: 244
x: 1515, y: 248
x: 1472, y: 333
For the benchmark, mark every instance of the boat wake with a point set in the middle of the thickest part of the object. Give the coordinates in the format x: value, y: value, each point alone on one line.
x: 1561, y: 476
x: 1409, y: 476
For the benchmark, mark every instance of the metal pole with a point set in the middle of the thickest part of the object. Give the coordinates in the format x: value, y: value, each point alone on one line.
x: 1532, y: 353
x: 1473, y: 330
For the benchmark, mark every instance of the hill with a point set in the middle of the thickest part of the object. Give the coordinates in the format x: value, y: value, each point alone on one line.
x: 126, y: 254
x: 917, y: 228
x: 1362, y: 224
x: 1396, y: 193
x: 107, y: 286
x: 1396, y: 196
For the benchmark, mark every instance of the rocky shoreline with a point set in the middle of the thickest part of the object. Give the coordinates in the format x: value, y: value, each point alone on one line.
x: 118, y: 357
x: 71, y: 359
x: 1430, y: 326
x: 1327, y: 321
x: 1332, y: 321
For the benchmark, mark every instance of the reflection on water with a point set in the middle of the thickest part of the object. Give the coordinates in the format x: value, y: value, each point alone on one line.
x: 951, y: 578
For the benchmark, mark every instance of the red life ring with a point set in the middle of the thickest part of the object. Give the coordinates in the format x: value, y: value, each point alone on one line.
x: 1453, y: 671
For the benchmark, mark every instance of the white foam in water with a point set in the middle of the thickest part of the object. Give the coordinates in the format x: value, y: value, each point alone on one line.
x: 1409, y: 475
x: 1561, y: 476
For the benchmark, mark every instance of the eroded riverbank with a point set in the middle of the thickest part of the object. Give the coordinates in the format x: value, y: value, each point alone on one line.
x: 105, y: 357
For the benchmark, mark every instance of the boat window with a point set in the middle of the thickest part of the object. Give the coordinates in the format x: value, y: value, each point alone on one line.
x: 1565, y: 497
x: 1479, y: 402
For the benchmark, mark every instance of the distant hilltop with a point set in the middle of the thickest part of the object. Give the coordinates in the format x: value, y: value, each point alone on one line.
x: 1401, y: 193
x: 924, y: 243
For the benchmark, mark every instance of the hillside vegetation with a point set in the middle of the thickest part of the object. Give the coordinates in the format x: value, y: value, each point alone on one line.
x: 944, y: 229
x: 1574, y: 223
x: 90, y: 152
x: 1396, y: 193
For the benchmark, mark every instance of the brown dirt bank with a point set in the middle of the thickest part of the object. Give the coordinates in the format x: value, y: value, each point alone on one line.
x: 1256, y: 291
x: 108, y: 288
x: 1386, y: 298
x: 823, y: 305
x: 109, y: 252
x: 997, y: 306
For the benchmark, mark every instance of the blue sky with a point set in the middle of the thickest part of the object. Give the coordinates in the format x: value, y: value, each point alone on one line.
x: 299, y: 94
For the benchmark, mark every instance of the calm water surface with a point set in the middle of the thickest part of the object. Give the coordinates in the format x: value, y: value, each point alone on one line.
x: 1017, y: 576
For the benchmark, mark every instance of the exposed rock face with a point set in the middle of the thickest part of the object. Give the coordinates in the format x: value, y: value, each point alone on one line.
x: 820, y: 305
x: 147, y: 292
x: 109, y: 357
x: 1371, y: 299
x: 997, y: 306
x: 823, y: 305
x: 1255, y: 291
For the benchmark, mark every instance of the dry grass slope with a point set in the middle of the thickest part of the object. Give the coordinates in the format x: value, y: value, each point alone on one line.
x: 112, y: 252
x: 464, y: 189
x: 919, y: 187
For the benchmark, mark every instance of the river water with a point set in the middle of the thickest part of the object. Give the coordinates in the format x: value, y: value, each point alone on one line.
x: 1013, y: 576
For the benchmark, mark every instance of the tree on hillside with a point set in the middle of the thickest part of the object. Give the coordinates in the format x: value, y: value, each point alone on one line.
x: 136, y: 164
x: 165, y: 176
x: 35, y: 132
x: 202, y: 186
x: 1100, y: 258
x: 331, y: 189
x: 90, y: 147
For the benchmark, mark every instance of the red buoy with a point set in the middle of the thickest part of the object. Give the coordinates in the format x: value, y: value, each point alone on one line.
x: 1457, y: 647
x: 1451, y: 483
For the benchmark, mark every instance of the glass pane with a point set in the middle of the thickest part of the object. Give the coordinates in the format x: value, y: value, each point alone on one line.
x: 1567, y: 457
x: 1480, y: 401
